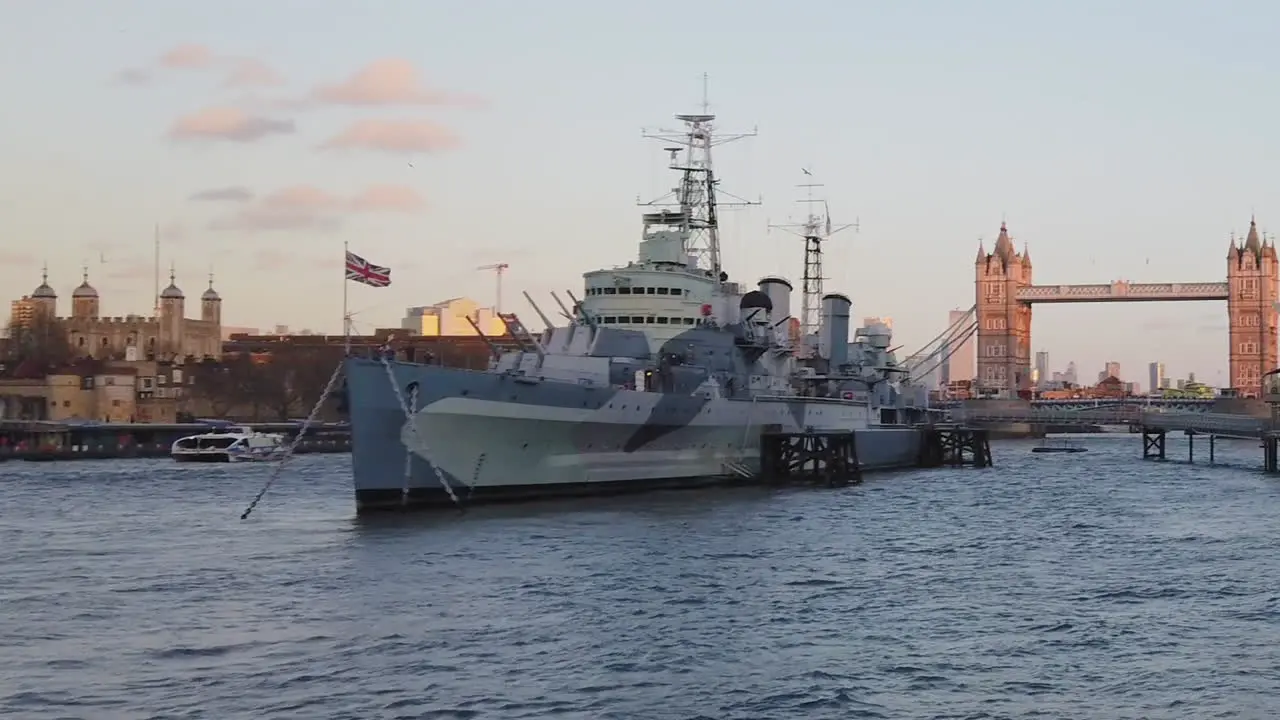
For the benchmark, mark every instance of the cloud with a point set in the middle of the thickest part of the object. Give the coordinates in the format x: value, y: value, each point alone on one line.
x: 270, y: 259
x: 234, y: 193
x: 190, y: 57
x: 390, y: 81
x: 13, y: 257
x: 131, y: 268
x: 173, y: 231
x: 228, y: 123
x: 388, y: 198
x: 250, y: 72
x: 306, y: 207
x: 132, y: 76
x: 240, y: 71
x: 398, y: 136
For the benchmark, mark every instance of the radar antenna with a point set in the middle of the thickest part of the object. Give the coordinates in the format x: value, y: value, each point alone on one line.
x: 816, y: 229
x: 696, y: 195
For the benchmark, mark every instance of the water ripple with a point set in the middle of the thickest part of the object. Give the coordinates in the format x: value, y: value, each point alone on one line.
x: 1092, y: 585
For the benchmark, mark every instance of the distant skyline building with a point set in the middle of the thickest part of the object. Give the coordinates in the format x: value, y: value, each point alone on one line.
x: 961, y: 364
x: 1155, y: 379
x: 930, y: 380
x: 1111, y: 369
x: 871, y: 320
x: 1042, y: 368
x: 449, y: 318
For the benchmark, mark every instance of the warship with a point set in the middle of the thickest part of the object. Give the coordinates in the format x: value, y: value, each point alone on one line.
x: 663, y: 375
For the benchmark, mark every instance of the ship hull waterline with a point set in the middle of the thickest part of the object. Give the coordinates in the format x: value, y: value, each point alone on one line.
x: 499, y: 439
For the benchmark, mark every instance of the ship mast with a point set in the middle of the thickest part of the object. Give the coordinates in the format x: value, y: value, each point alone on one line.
x: 814, y: 230
x: 696, y: 195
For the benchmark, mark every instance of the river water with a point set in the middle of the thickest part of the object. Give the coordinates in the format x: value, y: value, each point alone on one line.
x: 1051, y: 586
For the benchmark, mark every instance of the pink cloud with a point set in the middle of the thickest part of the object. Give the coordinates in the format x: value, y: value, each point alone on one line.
x: 388, y: 198
x: 270, y: 259
x: 306, y: 207
x: 241, y: 72
x: 393, y: 136
x: 250, y: 72
x: 190, y: 56
x: 131, y: 268
x: 228, y: 123
x: 390, y: 81
x: 12, y: 257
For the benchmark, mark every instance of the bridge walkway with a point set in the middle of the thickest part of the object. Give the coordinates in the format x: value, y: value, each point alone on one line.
x: 1149, y: 420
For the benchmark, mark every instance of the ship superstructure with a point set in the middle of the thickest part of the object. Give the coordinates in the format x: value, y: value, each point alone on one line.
x: 677, y: 281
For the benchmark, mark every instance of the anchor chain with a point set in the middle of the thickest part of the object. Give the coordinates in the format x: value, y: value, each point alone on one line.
x: 419, y: 444
x: 297, y: 440
x: 408, y: 454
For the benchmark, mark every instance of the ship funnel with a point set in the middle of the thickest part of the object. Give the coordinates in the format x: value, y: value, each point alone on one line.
x: 779, y: 292
x: 833, y: 335
x: 755, y: 309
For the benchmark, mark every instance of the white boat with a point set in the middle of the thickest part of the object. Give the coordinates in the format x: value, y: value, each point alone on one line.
x: 234, y: 444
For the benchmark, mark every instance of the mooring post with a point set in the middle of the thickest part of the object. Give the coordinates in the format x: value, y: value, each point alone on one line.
x: 1152, y: 444
x: 1191, y: 446
x: 1212, y: 438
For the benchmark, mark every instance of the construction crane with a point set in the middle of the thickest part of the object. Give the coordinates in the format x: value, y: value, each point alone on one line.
x: 498, y: 269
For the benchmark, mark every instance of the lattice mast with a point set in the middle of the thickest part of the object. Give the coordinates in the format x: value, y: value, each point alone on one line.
x: 814, y: 230
x: 696, y: 196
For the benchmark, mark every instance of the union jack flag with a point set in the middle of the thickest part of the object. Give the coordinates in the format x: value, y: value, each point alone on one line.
x: 361, y: 271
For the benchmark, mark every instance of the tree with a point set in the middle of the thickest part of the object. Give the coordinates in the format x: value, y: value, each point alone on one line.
x: 214, y: 383
x: 40, y: 343
x: 294, y: 380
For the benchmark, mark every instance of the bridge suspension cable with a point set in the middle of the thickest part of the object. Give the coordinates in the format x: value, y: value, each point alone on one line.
x: 933, y: 362
x: 943, y: 346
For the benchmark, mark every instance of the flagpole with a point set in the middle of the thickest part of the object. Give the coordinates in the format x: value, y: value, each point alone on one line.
x: 346, y: 317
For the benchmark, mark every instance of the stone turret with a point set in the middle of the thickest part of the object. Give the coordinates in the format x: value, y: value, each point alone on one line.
x: 84, y: 300
x: 211, y: 304
x: 44, y: 297
x: 172, y: 311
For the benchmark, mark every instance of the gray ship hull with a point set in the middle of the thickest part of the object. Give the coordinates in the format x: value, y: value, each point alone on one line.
x: 497, y: 438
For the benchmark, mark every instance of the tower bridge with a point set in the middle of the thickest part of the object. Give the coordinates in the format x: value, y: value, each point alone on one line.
x: 1005, y: 294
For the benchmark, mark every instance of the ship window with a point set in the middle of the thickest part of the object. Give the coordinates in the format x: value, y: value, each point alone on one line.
x: 609, y: 320
x: 650, y: 291
x: 663, y: 291
x: 624, y: 291
x: 610, y: 291
x: 676, y: 291
x: 637, y: 320
x: 662, y: 321
x: 648, y: 321
x: 688, y: 321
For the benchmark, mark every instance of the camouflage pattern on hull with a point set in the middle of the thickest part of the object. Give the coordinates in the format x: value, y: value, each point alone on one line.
x: 497, y: 437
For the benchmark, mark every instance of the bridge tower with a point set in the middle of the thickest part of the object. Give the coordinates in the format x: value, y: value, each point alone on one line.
x: 1253, y: 288
x: 1004, y: 323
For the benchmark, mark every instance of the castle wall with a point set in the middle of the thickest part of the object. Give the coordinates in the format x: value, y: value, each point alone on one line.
x: 113, y: 336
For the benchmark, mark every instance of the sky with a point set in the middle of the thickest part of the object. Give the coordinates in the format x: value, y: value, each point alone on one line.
x: 1118, y: 140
